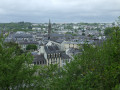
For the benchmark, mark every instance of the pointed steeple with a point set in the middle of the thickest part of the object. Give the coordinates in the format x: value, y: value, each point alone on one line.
x: 49, y: 29
x: 49, y: 21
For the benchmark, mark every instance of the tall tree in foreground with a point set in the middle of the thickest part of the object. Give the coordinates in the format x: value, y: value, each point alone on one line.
x: 16, y: 71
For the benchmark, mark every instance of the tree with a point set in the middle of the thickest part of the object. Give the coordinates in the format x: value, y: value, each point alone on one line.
x: 18, y: 50
x: 29, y: 27
x: 96, y: 69
x: 46, y: 77
x: 31, y: 47
x: 16, y: 71
x: 118, y: 20
x: 108, y: 31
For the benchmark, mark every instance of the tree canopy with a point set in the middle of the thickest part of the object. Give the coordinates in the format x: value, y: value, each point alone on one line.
x: 98, y: 68
x: 108, y: 31
x: 16, y: 71
x: 31, y: 47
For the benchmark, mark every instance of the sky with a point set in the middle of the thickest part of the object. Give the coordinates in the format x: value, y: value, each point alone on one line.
x: 59, y: 11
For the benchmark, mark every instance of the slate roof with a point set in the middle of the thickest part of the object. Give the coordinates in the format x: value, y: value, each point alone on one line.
x: 68, y: 35
x: 69, y: 42
x: 31, y: 42
x: 64, y: 56
x: 34, y: 53
x: 56, y: 35
x: 39, y: 58
x: 74, y: 51
x: 52, y: 49
x: 23, y: 36
x: 57, y: 40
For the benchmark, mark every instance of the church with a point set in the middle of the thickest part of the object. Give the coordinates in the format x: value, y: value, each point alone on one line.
x: 51, y: 53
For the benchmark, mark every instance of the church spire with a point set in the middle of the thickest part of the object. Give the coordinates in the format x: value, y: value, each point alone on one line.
x: 49, y: 29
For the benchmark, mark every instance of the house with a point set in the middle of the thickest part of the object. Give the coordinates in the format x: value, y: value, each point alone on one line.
x: 69, y: 44
x: 65, y: 59
x: 24, y: 44
x: 53, y: 55
x: 73, y: 51
x: 39, y: 60
x: 22, y: 36
x: 56, y: 36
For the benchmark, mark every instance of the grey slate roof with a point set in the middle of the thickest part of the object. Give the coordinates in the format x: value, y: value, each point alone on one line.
x: 31, y: 42
x: 23, y: 36
x: 39, y: 58
x: 64, y: 56
x: 68, y: 35
x: 75, y: 51
x: 52, y: 49
x: 57, y: 40
x: 56, y: 35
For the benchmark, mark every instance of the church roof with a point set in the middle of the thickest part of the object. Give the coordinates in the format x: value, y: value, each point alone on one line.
x: 52, y: 49
x: 39, y: 58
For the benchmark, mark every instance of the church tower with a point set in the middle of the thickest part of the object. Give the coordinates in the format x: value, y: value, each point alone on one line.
x: 49, y: 29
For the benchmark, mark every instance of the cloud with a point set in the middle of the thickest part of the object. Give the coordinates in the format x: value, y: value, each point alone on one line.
x: 59, y: 10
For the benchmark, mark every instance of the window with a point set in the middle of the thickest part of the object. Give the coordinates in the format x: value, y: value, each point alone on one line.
x: 40, y: 62
x: 37, y: 63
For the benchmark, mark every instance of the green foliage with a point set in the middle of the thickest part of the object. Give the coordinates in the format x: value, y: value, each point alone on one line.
x: 73, y: 34
x: 118, y: 20
x: 96, y: 69
x: 108, y: 31
x: 117, y: 87
x: 70, y: 27
x: 18, y: 51
x: 31, y: 47
x: 46, y: 77
x: 16, y: 71
x: 20, y: 26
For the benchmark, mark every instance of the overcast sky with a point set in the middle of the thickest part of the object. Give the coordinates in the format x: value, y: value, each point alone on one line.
x: 59, y: 10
